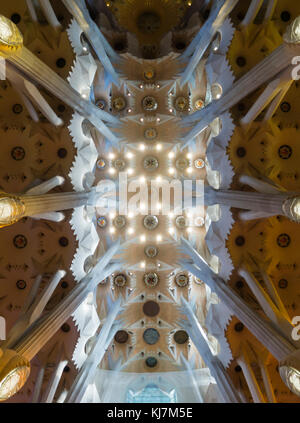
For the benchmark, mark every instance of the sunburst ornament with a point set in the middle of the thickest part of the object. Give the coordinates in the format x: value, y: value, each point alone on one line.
x: 11, y: 39
x: 149, y: 20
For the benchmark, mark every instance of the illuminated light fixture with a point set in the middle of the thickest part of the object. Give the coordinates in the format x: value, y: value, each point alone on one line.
x: 141, y: 86
x: 142, y: 179
x: 199, y: 163
x: 130, y: 215
x: 112, y: 215
x: 189, y: 230
x: 189, y: 156
x: 142, y: 147
x: 158, y: 119
x: 111, y: 156
x: 143, y: 238
x: 158, y: 147
x: 171, y: 215
x: 289, y: 370
x: 11, y: 39
x: 189, y: 170
x: 171, y: 171
x: 112, y: 171
x: 158, y: 238
x: 112, y: 230
x: 14, y: 372
x: 141, y: 119
x: 130, y: 231
x: 171, y: 110
x: 171, y: 231
x: 130, y: 171
x: 143, y: 265
x: 129, y: 110
x: 129, y: 155
x: 158, y: 179
x: 171, y: 155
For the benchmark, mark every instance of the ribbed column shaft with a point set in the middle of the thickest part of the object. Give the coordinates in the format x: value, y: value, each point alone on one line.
x: 41, y: 74
x: 37, y: 335
x: 264, y: 331
x: 37, y: 204
x: 216, y: 368
x: 247, y: 200
x: 263, y: 72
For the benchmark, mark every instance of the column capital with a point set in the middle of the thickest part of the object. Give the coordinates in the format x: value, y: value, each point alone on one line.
x: 292, y: 34
x: 14, y: 372
x: 291, y: 208
x: 289, y: 370
x: 12, y: 209
x: 11, y: 39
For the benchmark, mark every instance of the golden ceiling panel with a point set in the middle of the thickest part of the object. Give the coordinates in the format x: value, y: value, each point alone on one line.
x: 149, y: 20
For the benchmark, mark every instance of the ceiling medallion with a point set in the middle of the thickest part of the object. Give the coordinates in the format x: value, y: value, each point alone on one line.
x: 151, y: 251
x: 121, y: 337
x: 182, y: 279
x: 120, y: 280
x: 199, y: 163
x: 198, y: 281
x: 182, y: 163
x: 119, y: 222
x: 118, y: 104
x: 102, y: 222
x: 150, y: 163
x: 199, y: 221
x: 149, y: 103
x: 181, y: 337
x: 150, y: 134
x: 101, y: 103
x: 119, y: 164
x: 150, y: 222
x: 151, y: 279
x: 151, y: 362
x: 180, y: 222
x: 199, y: 104
x: 101, y: 163
x: 181, y: 104
x: 151, y: 308
x: 148, y: 22
x: 149, y: 74
x: 151, y: 336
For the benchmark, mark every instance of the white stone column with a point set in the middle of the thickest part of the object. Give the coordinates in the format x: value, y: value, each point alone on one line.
x: 87, y: 372
x: 39, y: 333
x: 13, y: 50
x: 256, y: 201
x: 102, y: 48
x: 278, y: 61
x: 205, y: 36
x: 224, y: 383
x: 266, y: 332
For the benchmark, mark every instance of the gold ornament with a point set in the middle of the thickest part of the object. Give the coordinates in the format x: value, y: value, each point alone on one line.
x: 14, y: 372
x: 11, y: 39
x: 12, y: 209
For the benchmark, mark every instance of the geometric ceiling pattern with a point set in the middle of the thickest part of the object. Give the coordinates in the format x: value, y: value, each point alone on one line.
x: 149, y: 205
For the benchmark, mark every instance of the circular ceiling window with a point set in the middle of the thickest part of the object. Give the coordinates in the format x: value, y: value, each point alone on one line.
x: 151, y: 336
